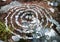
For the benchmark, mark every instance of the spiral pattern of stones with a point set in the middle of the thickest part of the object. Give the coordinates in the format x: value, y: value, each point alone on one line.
x: 28, y: 18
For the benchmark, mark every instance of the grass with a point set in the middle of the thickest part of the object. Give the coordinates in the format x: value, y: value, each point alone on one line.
x: 4, y: 34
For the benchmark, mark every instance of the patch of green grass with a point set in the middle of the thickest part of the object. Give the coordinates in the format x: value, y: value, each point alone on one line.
x: 4, y: 33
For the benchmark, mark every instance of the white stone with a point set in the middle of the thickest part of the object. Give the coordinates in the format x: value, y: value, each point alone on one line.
x: 51, y: 4
x: 54, y: 41
x: 52, y: 10
x: 1, y: 41
x: 16, y: 38
x: 3, y: 0
x: 50, y: 33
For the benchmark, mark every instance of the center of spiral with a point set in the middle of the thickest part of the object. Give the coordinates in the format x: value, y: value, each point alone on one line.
x: 28, y: 16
